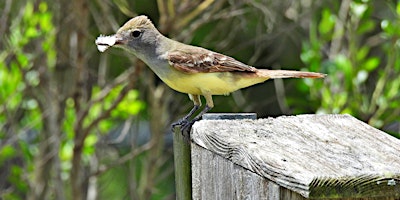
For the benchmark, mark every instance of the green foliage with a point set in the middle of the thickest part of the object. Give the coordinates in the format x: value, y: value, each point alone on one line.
x: 33, y: 25
x: 129, y: 106
x: 19, y: 112
x: 20, y: 78
x: 6, y: 152
x: 341, y: 47
x: 328, y: 20
x: 12, y: 87
x: 19, y: 75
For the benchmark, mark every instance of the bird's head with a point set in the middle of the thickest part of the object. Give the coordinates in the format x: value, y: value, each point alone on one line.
x: 137, y: 35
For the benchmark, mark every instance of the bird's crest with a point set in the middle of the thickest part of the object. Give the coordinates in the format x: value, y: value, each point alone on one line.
x: 141, y: 21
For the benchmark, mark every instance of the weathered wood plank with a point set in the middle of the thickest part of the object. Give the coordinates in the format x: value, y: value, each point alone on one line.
x: 317, y: 156
x: 215, y: 177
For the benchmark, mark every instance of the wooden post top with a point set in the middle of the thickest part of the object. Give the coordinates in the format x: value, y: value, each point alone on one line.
x: 317, y: 156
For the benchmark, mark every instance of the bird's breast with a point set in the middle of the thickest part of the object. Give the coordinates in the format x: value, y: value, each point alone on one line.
x: 217, y: 83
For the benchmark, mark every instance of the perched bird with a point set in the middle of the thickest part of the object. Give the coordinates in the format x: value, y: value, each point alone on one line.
x: 189, y: 69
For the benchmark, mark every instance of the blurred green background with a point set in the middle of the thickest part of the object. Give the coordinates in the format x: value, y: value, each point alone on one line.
x: 77, y: 124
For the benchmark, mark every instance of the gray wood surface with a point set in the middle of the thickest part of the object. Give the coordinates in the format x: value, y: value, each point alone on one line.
x: 215, y: 177
x: 316, y: 156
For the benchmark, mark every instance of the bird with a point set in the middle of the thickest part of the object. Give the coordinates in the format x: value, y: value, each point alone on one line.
x: 189, y: 69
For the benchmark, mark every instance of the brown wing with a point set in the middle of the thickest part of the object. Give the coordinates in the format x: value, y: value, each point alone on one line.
x: 196, y: 59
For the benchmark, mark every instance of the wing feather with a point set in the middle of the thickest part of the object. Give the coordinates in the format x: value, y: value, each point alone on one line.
x: 200, y: 60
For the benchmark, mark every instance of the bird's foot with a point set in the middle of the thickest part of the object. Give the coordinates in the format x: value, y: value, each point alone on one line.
x: 181, y: 122
x: 185, y: 119
x: 184, y: 126
x: 187, y: 126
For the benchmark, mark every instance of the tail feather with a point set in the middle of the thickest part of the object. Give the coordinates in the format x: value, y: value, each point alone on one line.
x: 288, y: 74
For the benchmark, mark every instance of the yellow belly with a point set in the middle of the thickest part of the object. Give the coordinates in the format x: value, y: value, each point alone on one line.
x: 217, y: 83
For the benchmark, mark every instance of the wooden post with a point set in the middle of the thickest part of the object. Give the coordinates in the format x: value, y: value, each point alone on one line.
x: 183, y: 179
x: 182, y: 154
x: 295, y: 157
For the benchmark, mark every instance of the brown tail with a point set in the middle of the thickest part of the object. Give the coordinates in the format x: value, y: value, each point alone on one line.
x: 288, y: 74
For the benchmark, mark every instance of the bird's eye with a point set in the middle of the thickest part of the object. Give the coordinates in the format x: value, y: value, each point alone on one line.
x: 135, y: 33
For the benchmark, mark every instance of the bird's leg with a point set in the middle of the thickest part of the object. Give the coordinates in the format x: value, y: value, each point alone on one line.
x: 185, y: 119
x: 208, y: 107
x: 197, y: 103
x: 198, y: 117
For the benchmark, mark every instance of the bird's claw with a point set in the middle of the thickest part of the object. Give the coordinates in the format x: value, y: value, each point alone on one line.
x: 184, y: 126
x: 181, y: 122
x: 187, y: 126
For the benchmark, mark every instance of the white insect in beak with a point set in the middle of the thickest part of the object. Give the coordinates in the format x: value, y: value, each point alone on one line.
x: 104, y: 42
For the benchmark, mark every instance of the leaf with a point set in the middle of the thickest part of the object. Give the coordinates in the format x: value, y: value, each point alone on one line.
x: 90, y: 142
x: 358, y: 9
x: 130, y: 105
x: 389, y: 27
x: 362, y: 53
x: 31, y: 32
x: 43, y: 7
x: 393, y: 89
x: 327, y: 22
x: 343, y: 63
x: 6, y: 152
x: 398, y: 8
x: 22, y: 60
x: 16, y: 178
x: 66, y: 151
x: 371, y: 63
x: 366, y: 26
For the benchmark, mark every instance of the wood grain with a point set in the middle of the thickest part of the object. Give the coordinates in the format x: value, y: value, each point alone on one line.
x: 316, y: 156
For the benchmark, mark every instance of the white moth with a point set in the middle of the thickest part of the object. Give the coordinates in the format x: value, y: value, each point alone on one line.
x: 104, y: 42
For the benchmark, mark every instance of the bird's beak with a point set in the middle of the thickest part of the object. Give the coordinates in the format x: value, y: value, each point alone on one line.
x: 104, y: 42
x: 119, y: 40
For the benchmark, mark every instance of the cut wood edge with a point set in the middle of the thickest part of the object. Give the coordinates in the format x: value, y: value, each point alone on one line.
x: 370, y: 185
